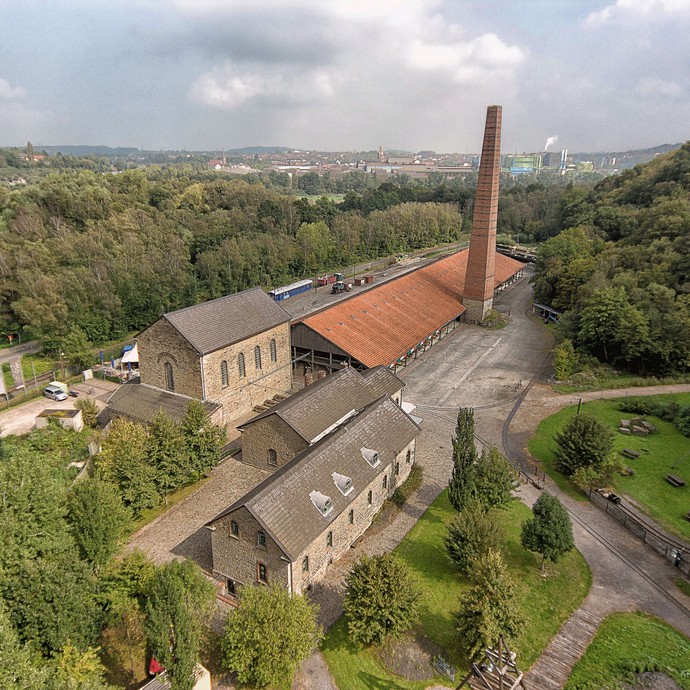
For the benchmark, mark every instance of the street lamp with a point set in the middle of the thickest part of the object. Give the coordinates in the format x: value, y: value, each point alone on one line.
x: 62, y: 363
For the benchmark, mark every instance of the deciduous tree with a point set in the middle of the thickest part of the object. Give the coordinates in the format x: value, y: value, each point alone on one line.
x: 584, y: 442
x: 471, y: 535
x: 494, y: 480
x: 269, y: 635
x: 99, y: 520
x: 549, y: 532
x: 381, y: 599
x: 166, y: 452
x: 123, y: 461
x: 202, y: 438
x: 488, y: 609
x: 179, y: 596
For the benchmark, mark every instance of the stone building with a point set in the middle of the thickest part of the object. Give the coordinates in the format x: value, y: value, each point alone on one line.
x: 313, y: 507
x: 233, y: 352
x: 275, y: 436
x: 336, y: 449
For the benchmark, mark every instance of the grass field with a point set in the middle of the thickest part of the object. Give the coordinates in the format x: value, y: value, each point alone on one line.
x: 627, y: 643
x: 665, y: 452
x: 545, y: 602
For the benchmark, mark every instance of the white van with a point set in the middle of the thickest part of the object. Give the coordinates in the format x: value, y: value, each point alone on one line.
x: 54, y: 393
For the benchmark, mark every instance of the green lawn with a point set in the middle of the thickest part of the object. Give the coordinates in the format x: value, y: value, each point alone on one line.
x: 546, y: 603
x: 608, y: 380
x: 665, y: 452
x: 630, y: 642
x: 683, y: 585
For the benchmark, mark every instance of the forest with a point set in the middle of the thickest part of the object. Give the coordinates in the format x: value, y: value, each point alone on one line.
x: 104, y: 255
x: 620, y: 269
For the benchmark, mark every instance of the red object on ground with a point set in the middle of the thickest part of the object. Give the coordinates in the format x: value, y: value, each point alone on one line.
x: 155, y: 668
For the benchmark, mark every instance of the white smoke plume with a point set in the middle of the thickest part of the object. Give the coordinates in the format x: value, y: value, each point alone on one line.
x: 550, y: 141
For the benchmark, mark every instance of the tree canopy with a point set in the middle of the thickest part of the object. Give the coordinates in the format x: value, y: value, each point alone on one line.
x: 269, y: 635
x: 381, y: 599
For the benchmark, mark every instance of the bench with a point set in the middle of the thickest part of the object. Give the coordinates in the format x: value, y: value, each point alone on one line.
x: 629, y: 453
x: 674, y: 480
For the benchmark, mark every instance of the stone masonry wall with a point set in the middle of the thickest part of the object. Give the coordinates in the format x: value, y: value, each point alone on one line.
x: 242, y: 394
x: 270, y: 433
x: 237, y: 558
x: 162, y: 343
x: 344, y: 534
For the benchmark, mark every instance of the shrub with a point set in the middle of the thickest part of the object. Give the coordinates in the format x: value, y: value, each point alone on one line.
x: 89, y: 411
x: 636, y: 406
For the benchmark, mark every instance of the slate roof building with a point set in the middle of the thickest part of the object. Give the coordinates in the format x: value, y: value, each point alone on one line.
x: 232, y: 353
x: 274, y: 437
x: 392, y: 322
x: 314, y: 506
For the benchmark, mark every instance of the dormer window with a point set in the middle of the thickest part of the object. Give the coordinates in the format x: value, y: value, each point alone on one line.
x: 322, y: 503
x: 371, y: 456
x: 343, y: 483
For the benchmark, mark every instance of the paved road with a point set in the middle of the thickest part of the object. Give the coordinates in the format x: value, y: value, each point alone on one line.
x: 11, y: 353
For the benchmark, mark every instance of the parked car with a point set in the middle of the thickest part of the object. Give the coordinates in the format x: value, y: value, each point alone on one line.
x: 54, y: 393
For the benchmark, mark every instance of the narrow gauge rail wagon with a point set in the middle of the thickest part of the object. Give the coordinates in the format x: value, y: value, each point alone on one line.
x: 281, y: 293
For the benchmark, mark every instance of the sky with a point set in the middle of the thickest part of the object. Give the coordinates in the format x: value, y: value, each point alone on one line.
x: 349, y: 75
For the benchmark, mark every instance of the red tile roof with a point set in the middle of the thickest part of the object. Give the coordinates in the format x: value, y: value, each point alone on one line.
x: 385, y: 322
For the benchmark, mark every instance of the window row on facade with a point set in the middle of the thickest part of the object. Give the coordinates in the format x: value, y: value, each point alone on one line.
x: 241, y: 365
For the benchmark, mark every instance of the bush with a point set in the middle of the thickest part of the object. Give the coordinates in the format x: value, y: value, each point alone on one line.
x: 565, y: 360
x: 408, y: 487
x: 636, y: 406
x: 89, y: 411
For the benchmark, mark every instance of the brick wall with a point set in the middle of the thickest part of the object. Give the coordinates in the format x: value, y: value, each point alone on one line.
x: 242, y: 394
x: 270, y: 433
x: 237, y: 557
x: 162, y: 343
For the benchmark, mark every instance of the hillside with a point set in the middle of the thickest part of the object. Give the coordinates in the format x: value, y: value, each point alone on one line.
x: 621, y: 267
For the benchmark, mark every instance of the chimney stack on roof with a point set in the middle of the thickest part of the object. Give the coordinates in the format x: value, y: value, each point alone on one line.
x: 478, y: 292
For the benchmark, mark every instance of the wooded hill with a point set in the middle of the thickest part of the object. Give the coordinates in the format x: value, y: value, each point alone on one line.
x: 107, y: 254
x: 620, y: 268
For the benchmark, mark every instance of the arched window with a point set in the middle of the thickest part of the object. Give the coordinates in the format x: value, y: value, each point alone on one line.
x: 329, y: 539
x: 385, y: 481
x: 257, y: 357
x: 369, y: 498
x: 169, y: 379
x: 272, y: 457
x: 224, y: 374
x: 240, y: 365
x: 274, y: 350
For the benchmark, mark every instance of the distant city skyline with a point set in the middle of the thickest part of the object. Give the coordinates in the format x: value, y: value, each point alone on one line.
x: 344, y: 75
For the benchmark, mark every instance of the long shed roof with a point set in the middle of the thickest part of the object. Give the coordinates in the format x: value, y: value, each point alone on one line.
x: 385, y: 322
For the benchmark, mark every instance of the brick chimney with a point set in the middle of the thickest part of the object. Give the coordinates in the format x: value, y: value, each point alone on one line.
x: 478, y: 293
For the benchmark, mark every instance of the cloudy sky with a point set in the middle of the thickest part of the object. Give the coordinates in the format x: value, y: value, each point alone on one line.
x: 344, y: 74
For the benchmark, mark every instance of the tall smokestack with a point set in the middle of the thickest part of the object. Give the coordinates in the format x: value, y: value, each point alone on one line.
x: 478, y: 293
